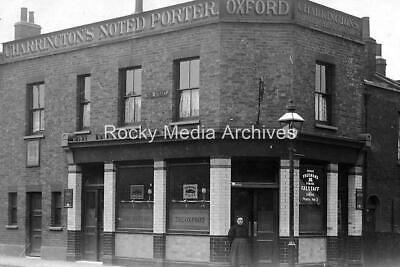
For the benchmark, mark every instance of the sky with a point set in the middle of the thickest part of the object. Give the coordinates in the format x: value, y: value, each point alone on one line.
x: 53, y: 15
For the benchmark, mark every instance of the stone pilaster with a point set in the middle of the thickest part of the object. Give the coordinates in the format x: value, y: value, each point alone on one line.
x: 74, y: 213
x: 160, y: 209
x: 284, y: 190
x: 332, y: 185
x: 355, y: 216
x: 109, y: 212
x: 220, y: 207
x: 354, y: 240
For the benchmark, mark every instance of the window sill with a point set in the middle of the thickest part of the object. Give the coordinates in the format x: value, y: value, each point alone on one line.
x: 34, y: 136
x: 133, y: 231
x: 326, y: 127
x: 81, y: 132
x: 188, y: 232
x: 56, y: 228
x: 12, y: 227
x: 312, y: 235
x: 188, y: 122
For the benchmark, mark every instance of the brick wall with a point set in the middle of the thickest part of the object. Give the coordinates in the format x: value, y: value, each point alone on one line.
x: 233, y: 56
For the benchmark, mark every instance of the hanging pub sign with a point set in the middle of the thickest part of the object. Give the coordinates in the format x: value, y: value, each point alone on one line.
x: 68, y: 198
x: 310, y: 186
x: 190, y: 191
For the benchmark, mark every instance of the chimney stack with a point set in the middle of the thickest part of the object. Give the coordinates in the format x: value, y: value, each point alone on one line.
x: 24, y: 14
x: 365, y: 28
x: 25, y: 28
x: 31, y: 17
x: 380, y: 61
x: 138, y: 6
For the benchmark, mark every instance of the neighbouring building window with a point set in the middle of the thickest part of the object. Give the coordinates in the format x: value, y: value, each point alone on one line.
x: 56, y: 208
x: 84, y: 92
x: 131, y: 91
x: 188, y: 88
x: 135, y: 196
x: 323, y: 92
x: 12, y: 208
x: 189, y: 195
x: 36, y: 94
x: 312, y: 204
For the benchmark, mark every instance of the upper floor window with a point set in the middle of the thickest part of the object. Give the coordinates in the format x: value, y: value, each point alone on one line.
x: 36, y: 95
x: 323, y: 92
x: 132, y: 94
x: 188, y: 88
x: 84, y: 91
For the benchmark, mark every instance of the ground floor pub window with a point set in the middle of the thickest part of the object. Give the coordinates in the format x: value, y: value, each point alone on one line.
x: 189, y: 195
x: 135, y: 196
x: 312, y: 202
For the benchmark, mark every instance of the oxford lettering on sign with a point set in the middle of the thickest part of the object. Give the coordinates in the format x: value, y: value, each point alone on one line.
x: 258, y: 7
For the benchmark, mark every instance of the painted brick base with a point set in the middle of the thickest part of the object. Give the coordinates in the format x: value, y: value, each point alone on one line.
x: 332, y: 253
x: 159, y: 246
x: 73, y: 245
x: 284, y: 250
x: 108, y: 248
x: 219, y: 246
x: 354, y: 251
x: 164, y: 263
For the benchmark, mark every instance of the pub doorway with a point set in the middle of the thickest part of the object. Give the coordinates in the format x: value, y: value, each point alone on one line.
x: 34, y: 242
x: 258, y: 207
x: 92, y: 213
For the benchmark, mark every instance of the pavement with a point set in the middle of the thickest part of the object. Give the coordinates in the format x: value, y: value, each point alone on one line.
x: 8, y: 261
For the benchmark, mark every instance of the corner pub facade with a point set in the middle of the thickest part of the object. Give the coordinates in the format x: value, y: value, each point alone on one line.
x: 69, y: 191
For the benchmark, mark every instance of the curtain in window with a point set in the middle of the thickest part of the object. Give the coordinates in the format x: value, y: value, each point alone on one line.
x: 184, y: 104
x: 195, y: 103
x: 137, y: 108
x: 320, y: 107
x: 86, y: 115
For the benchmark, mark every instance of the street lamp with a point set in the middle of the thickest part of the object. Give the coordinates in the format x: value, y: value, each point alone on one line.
x: 291, y: 120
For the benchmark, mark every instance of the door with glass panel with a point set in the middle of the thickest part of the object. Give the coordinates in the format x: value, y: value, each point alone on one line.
x: 259, y: 209
x: 34, y: 224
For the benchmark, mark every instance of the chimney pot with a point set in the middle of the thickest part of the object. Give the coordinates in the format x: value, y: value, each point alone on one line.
x: 138, y: 6
x: 381, y: 65
x: 24, y: 14
x: 31, y: 17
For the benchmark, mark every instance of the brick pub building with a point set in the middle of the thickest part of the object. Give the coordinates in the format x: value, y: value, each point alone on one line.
x: 69, y: 191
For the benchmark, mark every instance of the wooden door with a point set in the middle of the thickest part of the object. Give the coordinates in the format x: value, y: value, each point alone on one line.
x: 93, y: 206
x: 264, y: 230
x: 34, y: 224
x: 259, y: 209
